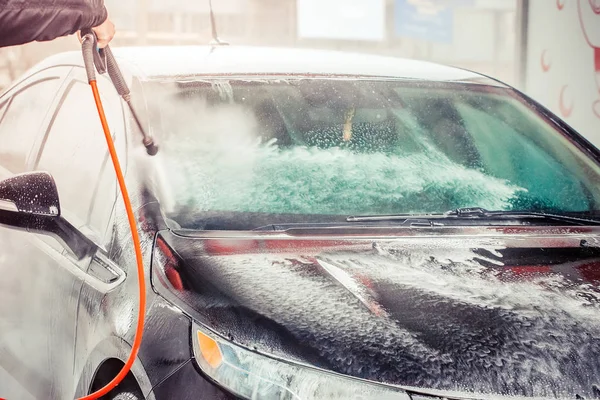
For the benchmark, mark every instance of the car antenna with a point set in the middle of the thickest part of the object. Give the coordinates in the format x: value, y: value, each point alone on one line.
x: 213, y: 26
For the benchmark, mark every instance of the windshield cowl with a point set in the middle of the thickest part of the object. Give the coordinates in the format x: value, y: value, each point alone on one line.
x: 481, y: 215
x: 573, y: 236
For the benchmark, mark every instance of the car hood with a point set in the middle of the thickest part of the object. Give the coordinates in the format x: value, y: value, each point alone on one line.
x: 511, y: 314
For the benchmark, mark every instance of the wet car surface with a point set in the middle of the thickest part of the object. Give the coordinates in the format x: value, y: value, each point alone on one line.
x: 440, y: 314
x: 310, y: 230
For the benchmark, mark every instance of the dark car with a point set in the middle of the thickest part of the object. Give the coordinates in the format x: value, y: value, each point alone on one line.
x: 315, y: 225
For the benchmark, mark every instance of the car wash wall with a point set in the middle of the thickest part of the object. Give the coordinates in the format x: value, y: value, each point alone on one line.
x: 561, y: 63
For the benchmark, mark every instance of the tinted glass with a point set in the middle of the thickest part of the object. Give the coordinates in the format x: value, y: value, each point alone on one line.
x: 21, y: 123
x: 314, y: 147
x: 75, y: 154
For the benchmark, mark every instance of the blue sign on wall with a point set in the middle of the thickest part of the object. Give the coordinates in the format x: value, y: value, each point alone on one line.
x: 431, y: 20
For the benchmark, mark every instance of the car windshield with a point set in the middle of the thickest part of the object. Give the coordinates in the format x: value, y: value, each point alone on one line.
x: 312, y: 150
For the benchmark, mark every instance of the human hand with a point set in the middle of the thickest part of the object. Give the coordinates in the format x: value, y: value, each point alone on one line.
x: 104, y: 33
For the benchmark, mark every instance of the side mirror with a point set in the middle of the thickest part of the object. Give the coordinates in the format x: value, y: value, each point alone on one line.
x: 27, y: 196
x: 30, y: 202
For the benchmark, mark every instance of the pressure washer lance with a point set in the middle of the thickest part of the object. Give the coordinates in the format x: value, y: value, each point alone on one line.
x: 103, y: 60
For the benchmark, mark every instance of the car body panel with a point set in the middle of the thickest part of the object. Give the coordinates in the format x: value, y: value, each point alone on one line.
x: 490, y: 315
x: 33, y: 325
x: 259, y: 61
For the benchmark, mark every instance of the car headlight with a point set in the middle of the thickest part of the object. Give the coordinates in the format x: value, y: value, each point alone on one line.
x: 254, y: 376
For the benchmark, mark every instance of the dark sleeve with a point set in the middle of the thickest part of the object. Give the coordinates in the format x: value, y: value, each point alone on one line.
x: 24, y: 21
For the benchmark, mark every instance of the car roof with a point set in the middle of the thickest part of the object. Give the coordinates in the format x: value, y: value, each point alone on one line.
x: 179, y: 61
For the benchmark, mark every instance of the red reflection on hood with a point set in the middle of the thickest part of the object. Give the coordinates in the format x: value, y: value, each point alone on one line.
x: 590, y: 272
x: 523, y: 272
x: 587, y: 272
x: 256, y: 246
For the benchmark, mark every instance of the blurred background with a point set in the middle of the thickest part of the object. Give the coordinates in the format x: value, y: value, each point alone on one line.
x: 549, y: 49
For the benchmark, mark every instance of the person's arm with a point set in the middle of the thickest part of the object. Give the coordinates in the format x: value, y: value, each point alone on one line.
x: 24, y: 21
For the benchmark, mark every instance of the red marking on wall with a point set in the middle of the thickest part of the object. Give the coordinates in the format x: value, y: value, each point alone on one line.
x: 594, y: 7
x: 596, y: 108
x: 564, y: 110
x: 582, y: 25
x: 560, y: 5
x: 545, y: 64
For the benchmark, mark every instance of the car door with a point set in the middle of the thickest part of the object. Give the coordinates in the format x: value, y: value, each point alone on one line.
x: 73, y: 150
x: 75, y: 153
x: 29, y: 325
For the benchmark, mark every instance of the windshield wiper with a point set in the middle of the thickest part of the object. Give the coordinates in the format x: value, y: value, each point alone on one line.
x: 477, y: 213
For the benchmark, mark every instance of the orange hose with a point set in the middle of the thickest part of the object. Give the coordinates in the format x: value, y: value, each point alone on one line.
x: 138, y: 254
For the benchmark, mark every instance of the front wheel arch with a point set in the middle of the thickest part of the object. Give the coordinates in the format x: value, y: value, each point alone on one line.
x: 107, y: 371
x: 111, y: 348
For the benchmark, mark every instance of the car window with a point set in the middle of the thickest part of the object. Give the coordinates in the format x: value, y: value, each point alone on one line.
x: 3, y: 107
x: 21, y: 122
x: 481, y: 130
x: 75, y: 153
x: 306, y: 150
x: 103, y: 199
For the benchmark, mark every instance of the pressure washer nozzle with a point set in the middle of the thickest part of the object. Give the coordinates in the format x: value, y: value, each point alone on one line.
x: 103, y: 60
x: 151, y: 148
